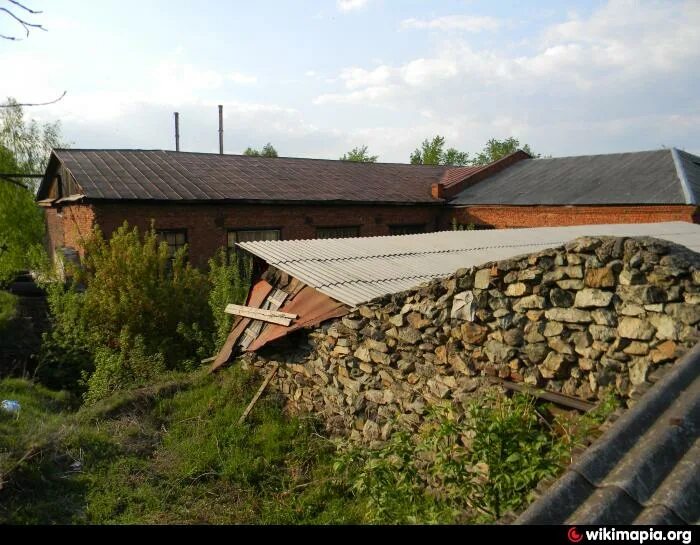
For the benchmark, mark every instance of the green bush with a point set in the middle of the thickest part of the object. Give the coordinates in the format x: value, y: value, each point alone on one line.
x: 132, y: 283
x: 229, y: 277
x: 130, y: 303
x: 115, y: 370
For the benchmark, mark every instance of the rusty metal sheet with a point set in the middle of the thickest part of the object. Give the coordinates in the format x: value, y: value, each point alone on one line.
x: 257, y: 296
x: 312, y: 307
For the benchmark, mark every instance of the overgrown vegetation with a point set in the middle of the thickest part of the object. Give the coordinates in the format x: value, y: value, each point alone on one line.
x: 469, y: 466
x: 24, y: 149
x: 172, y: 452
x: 167, y: 453
x: 229, y: 277
x: 131, y: 312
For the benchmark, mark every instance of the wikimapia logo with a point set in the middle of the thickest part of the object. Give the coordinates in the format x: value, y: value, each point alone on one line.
x: 637, y: 536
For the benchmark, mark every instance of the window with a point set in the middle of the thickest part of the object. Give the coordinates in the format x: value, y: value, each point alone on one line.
x: 409, y: 229
x: 249, y: 235
x: 176, y: 239
x: 337, y: 232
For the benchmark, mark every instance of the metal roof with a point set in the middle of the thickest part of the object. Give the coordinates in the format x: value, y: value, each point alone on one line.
x: 643, y: 469
x: 183, y: 176
x: 645, y: 177
x: 357, y: 270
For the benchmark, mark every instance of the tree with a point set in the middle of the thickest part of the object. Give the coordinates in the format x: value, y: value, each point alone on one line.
x: 268, y: 150
x: 432, y: 152
x: 24, y: 148
x: 359, y: 155
x: 497, y: 149
x: 17, y: 11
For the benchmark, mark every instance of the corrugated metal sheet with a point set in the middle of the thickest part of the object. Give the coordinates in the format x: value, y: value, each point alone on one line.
x: 184, y: 176
x: 310, y: 306
x: 646, y: 177
x: 356, y: 270
x: 644, y: 469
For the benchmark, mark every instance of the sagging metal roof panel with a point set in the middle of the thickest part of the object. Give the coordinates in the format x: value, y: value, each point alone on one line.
x: 357, y: 270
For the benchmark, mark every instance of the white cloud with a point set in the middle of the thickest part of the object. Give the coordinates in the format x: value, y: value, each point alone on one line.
x: 616, y: 73
x: 355, y: 78
x: 243, y: 79
x: 428, y: 71
x: 467, y: 23
x: 351, y: 5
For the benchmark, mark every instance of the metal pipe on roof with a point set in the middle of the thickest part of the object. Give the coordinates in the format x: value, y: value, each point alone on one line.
x: 221, y: 129
x: 177, y: 131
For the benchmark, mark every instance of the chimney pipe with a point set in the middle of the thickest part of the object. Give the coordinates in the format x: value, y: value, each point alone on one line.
x: 221, y: 129
x: 177, y: 131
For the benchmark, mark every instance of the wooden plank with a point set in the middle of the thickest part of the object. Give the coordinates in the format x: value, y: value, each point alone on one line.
x: 555, y: 397
x: 257, y: 395
x: 272, y: 316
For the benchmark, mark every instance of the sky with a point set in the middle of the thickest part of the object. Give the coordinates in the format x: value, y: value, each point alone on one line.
x: 319, y: 77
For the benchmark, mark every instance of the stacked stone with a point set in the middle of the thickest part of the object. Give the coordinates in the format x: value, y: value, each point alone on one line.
x: 594, y: 315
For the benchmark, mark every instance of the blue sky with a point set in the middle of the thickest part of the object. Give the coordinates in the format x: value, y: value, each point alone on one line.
x: 317, y: 78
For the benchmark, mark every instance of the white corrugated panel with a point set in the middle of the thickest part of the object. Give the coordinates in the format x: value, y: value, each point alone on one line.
x: 356, y: 270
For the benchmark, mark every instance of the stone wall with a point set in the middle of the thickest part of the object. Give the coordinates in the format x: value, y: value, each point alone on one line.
x: 595, y: 315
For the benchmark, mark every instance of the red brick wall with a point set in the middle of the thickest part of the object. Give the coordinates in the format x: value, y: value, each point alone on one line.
x: 54, y: 229
x: 207, y: 224
x: 68, y: 225
x: 78, y: 221
x: 502, y: 217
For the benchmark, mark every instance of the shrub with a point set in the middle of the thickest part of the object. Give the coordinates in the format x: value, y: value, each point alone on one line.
x: 114, y: 370
x: 133, y: 283
x: 229, y: 277
x: 130, y: 303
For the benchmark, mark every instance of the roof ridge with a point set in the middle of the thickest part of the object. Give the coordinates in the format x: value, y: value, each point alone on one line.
x: 141, y: 150
x: 690, y: 197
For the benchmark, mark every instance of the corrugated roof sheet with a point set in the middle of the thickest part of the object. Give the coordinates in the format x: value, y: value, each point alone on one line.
x: 183, y: 176
x: 357, y: 270
x: 644, y: 469
x: 645, y: 177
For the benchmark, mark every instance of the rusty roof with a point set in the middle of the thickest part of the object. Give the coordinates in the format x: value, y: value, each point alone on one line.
x: 183, y: 176
x: 643, y: 469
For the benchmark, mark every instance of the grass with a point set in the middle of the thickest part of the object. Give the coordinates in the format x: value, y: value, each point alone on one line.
x: 173, y: 452
x: 169, y: 453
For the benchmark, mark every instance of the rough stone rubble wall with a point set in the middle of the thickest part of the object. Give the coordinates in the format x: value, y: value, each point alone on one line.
x: 595, y: 315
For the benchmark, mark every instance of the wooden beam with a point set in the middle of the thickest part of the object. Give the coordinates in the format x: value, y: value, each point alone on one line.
x: 555, y: 397
x: 257, y: 395
x: 272, y: 316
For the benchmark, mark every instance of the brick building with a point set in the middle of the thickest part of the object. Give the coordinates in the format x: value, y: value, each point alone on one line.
x: 208, y: 200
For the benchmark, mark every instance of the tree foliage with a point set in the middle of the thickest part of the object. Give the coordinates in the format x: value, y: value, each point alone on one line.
x: 359, y: 155
x: 137, y: 305
x: 497, y: 149
x: 25, y: 146
x: 433, y: 152
x: 268, y: 150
